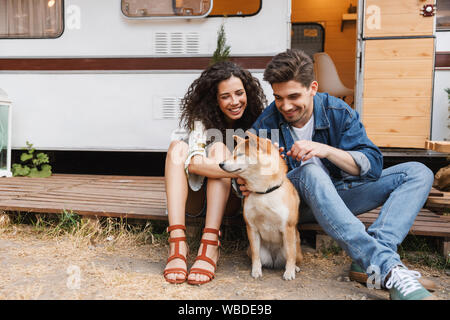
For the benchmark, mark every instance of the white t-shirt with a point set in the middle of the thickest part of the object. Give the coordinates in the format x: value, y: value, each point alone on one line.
x: 306, y: 133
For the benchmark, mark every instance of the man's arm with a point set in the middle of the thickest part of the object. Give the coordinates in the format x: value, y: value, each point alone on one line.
x: 305, y: 150
x: 365, y: 153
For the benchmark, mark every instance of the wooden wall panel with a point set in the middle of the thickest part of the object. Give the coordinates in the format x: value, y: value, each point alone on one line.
x: 397, y: 18
x: 395, y: 125
x: 397, y: 88
x: 397, y: 106
x: 415, y: 69
x: 398, y: 91
x: 393, y: 141
x: 399, y: 49
x: 341, y: 46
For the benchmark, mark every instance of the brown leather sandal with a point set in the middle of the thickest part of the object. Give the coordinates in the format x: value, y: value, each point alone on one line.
x: 203, y: 257
x: 176, y: 255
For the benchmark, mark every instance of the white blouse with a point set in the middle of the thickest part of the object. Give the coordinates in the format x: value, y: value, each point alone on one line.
x: 196, y: 140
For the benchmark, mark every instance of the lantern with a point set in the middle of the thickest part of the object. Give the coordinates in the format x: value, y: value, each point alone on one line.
x: 5, y: 135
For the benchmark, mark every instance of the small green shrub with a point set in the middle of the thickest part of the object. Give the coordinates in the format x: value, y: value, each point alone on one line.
x: 223, y: 50
x: 32, y: 164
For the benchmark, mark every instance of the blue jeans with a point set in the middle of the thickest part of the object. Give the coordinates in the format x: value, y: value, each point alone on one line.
x: 401, y: 189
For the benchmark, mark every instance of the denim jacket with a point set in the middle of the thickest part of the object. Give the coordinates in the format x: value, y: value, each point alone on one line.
x: 335, y: 124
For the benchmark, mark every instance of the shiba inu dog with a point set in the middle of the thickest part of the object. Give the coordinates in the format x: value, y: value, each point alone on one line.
x: 271, y: 209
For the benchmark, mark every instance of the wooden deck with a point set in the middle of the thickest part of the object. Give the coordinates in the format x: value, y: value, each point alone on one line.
x: 144, y: 198
x: 91, y: 195
x: 427, y: 223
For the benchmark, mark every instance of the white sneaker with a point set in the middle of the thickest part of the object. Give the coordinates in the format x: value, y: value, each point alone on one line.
x: 404, y: 285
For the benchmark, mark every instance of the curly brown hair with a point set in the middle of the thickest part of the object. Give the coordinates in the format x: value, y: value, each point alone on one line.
x: 200, y: 102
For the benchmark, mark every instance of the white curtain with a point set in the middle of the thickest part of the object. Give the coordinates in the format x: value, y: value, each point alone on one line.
x: 149, y: 8
x: 30, y: 18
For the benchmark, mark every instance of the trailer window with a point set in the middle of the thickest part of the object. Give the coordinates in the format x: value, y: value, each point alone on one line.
x: 166, y: 8
x: 309, y: 37
x: 235, y: 8
x: 31, y: 18
x: 443, y: 15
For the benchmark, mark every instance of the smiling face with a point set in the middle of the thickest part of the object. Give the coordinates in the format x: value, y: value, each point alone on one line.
x: 232, y: 98
x: 294, y: 101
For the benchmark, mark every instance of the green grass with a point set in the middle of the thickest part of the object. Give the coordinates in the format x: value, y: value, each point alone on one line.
x: 94, y: 229
x: 423, y: 251
x: 418, y: 250
x: 330, y: 250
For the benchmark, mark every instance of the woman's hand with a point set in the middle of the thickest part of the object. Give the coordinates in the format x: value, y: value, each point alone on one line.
x: 241, y: 182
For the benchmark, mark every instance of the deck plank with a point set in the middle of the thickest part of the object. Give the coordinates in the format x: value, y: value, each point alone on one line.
x: 144, y: 198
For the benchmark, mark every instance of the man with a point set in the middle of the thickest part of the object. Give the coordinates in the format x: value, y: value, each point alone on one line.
x: 338, y: 173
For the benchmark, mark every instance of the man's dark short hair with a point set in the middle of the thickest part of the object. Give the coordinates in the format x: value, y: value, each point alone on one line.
x: 292, y: 64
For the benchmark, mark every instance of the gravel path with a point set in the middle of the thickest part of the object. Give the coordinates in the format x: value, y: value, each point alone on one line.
x: 66, y: 267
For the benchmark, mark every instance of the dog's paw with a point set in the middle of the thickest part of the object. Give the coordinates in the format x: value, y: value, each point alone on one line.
x: 256, y: 269
x: 289, y: 274
x: 257, y: 272
x: 297, y: 269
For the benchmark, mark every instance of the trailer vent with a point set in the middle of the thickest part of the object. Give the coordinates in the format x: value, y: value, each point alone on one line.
x: 161, y: 43
x: 192, y: 43
x: 176, y: 43
x: 166, y: 108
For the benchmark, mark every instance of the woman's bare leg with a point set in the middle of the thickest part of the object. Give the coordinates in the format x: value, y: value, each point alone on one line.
x: 176, y: 194
x: 217, y: 194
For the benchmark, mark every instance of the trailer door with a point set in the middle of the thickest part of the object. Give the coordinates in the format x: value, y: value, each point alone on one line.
x: 397, y: 44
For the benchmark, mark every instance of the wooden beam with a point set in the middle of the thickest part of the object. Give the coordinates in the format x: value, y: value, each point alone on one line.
x: 439, y: 146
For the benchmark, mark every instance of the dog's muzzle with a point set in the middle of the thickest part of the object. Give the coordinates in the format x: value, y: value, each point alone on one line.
x: 222, y: 165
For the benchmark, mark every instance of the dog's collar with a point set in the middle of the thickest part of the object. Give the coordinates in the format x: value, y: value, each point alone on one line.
x: 270, y: 189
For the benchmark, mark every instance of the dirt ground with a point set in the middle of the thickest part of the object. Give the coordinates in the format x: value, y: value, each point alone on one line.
x: 67, y: 267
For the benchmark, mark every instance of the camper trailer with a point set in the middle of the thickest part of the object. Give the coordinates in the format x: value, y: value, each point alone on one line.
x: 108, y: 75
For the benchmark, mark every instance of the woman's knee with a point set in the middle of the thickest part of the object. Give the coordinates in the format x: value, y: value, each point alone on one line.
x: 177, y: 152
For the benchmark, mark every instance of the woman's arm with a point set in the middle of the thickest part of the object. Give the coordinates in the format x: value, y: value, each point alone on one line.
x: 207, y: 167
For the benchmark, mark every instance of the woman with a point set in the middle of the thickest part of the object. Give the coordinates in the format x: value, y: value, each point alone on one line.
x: 224, y: 97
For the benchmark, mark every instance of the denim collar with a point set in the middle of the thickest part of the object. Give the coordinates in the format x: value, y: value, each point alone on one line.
x: 320, y: 117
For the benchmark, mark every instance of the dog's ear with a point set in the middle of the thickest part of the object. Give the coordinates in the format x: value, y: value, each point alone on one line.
x: 264, y: 144
x: 258, y: 142
x: 253, y: 139
x: 238, y: 139
x: 251, y: 135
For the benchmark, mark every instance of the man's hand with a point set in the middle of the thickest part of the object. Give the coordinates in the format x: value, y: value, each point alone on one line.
x: 305, y: 150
